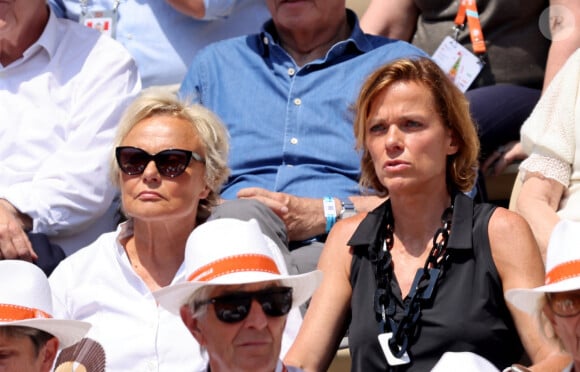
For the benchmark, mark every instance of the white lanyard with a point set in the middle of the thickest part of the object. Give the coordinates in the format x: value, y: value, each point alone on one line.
x: 85, y: 6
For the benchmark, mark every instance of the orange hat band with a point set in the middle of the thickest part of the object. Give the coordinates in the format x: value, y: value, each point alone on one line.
x: 567, y: 270
x: 232, y: 264
x: 12, y: 313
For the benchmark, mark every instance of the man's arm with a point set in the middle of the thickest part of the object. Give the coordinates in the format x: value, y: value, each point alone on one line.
x: 304, y: 217
x: 395, y: 19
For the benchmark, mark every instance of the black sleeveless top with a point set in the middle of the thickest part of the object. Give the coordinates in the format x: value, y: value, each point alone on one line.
x: 468, y: 312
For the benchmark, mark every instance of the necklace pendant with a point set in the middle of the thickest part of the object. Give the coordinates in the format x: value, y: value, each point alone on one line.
x: 419, y: 282
x: 392, y: 360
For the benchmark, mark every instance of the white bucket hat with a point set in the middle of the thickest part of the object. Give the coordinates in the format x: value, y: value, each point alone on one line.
x: 229, y: 251
x: 463, y: 361
x: 562, y: 268
x: 26, y: 301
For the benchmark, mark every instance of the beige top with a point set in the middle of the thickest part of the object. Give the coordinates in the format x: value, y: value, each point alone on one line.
x: 551, y: 133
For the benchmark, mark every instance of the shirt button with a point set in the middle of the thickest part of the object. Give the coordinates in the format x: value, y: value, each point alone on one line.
x: 294, y: 141
x: 265, y: 40
x: 297, y: 101
x: 291, y: 71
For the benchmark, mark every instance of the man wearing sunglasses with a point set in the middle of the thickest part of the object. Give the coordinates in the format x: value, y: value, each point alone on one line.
x: 235, y: 301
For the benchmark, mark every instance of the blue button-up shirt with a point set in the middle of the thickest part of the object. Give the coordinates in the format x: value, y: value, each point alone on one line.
x: 164, y: 41
x: 290, y: 126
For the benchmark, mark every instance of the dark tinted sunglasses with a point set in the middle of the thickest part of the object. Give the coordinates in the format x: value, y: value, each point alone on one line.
x: 235, y: 307
x: 170, y: 163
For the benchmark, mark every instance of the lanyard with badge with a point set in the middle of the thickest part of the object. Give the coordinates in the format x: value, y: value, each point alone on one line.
x: 461, y: 65
x: 101, y: 20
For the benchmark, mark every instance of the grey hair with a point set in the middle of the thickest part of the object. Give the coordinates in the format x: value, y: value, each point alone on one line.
x: 38, y: 337
x: 199, y: 295
x: 208, y: 126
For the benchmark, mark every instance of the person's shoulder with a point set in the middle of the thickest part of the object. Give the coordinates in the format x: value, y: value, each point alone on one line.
x: 231, y: 46
x: 91, y: 256
x: 392, y: 48
x: 78, y: 40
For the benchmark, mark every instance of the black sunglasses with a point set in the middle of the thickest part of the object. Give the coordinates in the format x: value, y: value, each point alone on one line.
x: 170, y: 163
x: 235, y: 307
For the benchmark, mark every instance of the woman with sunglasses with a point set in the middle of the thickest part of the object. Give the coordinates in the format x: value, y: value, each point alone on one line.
x: 425, y: 272
x: 236, y: 301
x: 169, y: 163
x: 556, y: 304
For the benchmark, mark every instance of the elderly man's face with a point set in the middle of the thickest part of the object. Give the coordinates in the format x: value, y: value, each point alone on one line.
x: 252, y: 344
x: 306, y: 14
x: 567, y: 324
x: 15, y: 15
x: 18, y: 354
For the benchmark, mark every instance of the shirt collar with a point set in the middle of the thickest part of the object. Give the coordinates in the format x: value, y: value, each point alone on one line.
x: 48, y: 40
x: 461, y: 230
x: 269, y: 36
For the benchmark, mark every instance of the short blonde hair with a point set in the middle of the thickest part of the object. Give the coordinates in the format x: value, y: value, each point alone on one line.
x: 209, y: 128
x: 450, y: 104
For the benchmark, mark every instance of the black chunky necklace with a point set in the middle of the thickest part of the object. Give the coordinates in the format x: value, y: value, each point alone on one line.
x: 404, y: 326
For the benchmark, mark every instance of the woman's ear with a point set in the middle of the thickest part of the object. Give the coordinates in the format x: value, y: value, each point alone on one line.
x: 453, y: 146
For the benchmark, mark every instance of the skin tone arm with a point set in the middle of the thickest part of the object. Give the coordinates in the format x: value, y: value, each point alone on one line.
x: 323, y: 325
x: 304, y: 217
x: 192, y: 8
x: 565, y: 30
x: 520, y: 265
x: 395, y: 19
x: 537, y: 202
x: 14, y: 243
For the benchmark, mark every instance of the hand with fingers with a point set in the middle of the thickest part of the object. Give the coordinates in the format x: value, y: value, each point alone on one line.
x: 303, y: 217
x: 502, y: 157
x: 14, y: 243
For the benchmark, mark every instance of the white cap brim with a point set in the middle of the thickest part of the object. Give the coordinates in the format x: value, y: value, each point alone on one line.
x: 303, y: 286
x: 68, y: 332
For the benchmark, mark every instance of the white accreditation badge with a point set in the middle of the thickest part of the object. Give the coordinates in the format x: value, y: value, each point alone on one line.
x: 102, y: 20
x: 391, y: 358
x: 461, y: 66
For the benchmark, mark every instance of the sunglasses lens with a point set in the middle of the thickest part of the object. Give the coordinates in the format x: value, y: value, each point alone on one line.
x: 132, y: 160
x: 236, y: 307
x: 233, y: 308
x: 565, y: 304
x: 172, y: 163
x: 276, y: 301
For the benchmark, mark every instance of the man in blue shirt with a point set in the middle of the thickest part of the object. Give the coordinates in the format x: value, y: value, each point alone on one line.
x: 285, y: 95
x: 163, y: 36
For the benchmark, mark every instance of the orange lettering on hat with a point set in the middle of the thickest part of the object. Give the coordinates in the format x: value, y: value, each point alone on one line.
x: 232, y: 264
x: 563, y: 271
x: 12, y: 313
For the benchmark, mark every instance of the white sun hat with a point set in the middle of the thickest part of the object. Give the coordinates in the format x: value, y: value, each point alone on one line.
x: 562, y: 268
x: 26, y: 301
x: 463, y: 361
x: 229, y: 251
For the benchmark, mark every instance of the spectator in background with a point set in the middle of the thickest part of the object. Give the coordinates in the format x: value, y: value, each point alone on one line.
x: 525, y: 49
x: 170, y: 164
x: 556, y: 304
x: 29, y: 336
x: 62, y: 90
x: 236, y: 299
x: 285, y: 96
x: 548, y: 186
x: 163, y: 36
